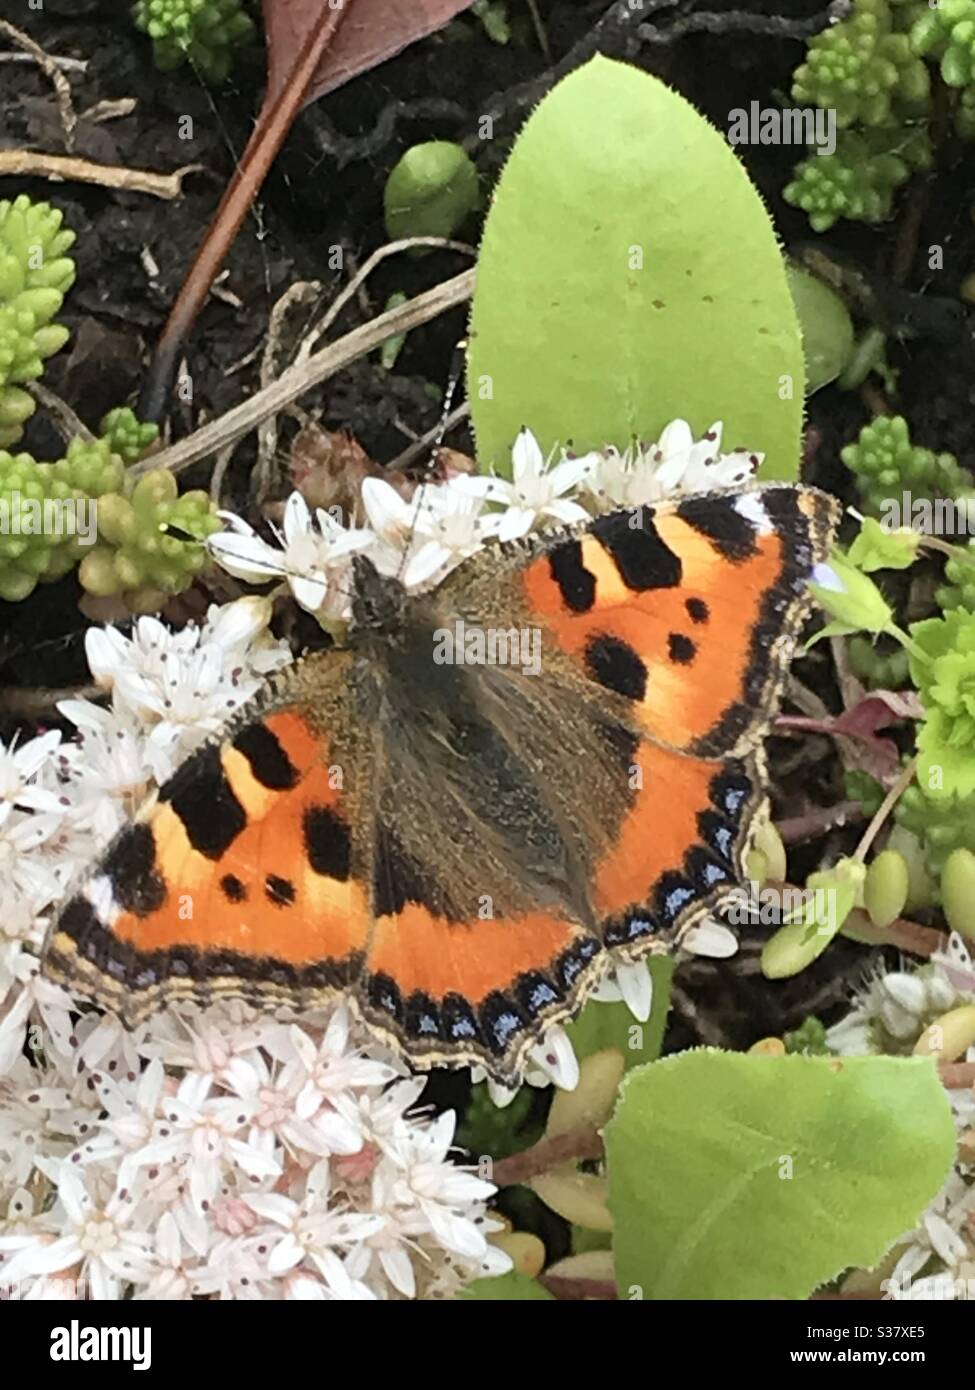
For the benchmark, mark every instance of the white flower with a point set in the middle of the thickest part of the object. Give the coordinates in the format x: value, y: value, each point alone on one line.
x: 434, y: 1191
x: 18, y: 769
x: 676, y: 464
x: 107, y: 767
x: 536, y: 492
x: 311, y: 1231
x: 422, y: 540
x: 97, y: 1239
x: 315, y: 562
x: 24, y: 873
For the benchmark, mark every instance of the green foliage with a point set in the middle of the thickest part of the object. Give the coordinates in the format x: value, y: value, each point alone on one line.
x: 859, y: 785
x: 878, y: 670
x: 878, y: 549
x: 205, y: 33
x: 151, y: 540
x: 958, y: 591
x: 943, y: 670
x: 431, y: 191
x: 947, y: 33
x: 826, y: 326
x: 809, y: 1039
x: 885, y: 464
x: 42, y: 537
x: 850, y: 598
x: 763, y: 1177
x: 35, y: 275
x: 940, y: 823
x: 958, y: 891
x: 493, y: 15
x: 499, y: 1131
x: 126, y: 435
x: 610, y: 299
x: 868, y: 71
x: 833, y: 894
x: 858, y: 181
x: 862, y: 70
x: 139, y: 539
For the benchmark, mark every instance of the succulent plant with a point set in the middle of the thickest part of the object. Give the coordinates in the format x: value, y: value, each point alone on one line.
x: 205, y: 33
x: 35, y: 274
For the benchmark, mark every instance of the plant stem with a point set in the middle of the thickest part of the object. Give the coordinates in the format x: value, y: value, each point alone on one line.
x: 908, y: 643
x: 884, y: 810
x: 547, y: 1154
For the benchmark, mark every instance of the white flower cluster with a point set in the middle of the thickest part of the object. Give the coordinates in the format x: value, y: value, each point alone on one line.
x: 422, y: 540
x: 937, y: 1260
x: 212, y: 1154
x: 221, y: 1154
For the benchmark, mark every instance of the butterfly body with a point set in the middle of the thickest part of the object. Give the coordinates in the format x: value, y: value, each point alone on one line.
x: 464, y: 844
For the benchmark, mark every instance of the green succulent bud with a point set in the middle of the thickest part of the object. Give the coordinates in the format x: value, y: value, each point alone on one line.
x: 431, y: 191
x: 126, y: 435
x: 878, y: 670
x: 91, y: 468
x: 862, y: 70
x: 958, y: 891
x: 885, y: 887
x: 886, y: 465
x: 809, y: 1039
x: 964, y: 113
x: 97, y: 572
x: 859, y: 179
x: 959, y: 589
x: 947, y: 32
x: 204, y: 33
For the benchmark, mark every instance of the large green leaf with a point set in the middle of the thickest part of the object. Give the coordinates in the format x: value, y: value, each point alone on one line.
x: 629, y: 274
x: 737, y: 1176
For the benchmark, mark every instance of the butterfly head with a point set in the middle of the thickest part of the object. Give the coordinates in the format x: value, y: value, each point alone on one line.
x: 378, y: 600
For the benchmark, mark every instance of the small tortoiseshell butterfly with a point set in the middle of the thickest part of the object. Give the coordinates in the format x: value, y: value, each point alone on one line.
x: 463, y: 850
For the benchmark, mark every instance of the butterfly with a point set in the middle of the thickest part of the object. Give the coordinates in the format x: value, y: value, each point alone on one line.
x: 486, y: 798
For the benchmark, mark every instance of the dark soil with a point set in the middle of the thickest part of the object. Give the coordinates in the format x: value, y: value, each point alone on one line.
x: 326, y: 190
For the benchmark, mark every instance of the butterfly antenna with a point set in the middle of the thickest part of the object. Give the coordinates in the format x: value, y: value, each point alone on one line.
x: 453, y: 380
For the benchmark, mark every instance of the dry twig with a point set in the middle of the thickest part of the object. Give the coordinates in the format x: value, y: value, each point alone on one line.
x: 303, y: 376
x: 67, y: 169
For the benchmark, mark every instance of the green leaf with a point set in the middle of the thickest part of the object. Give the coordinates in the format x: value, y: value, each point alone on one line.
x: 826, y: 326
x: 628, y: 275
x: 877, y: 548
x: 507, y: 1288
x: 740, y: 1176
